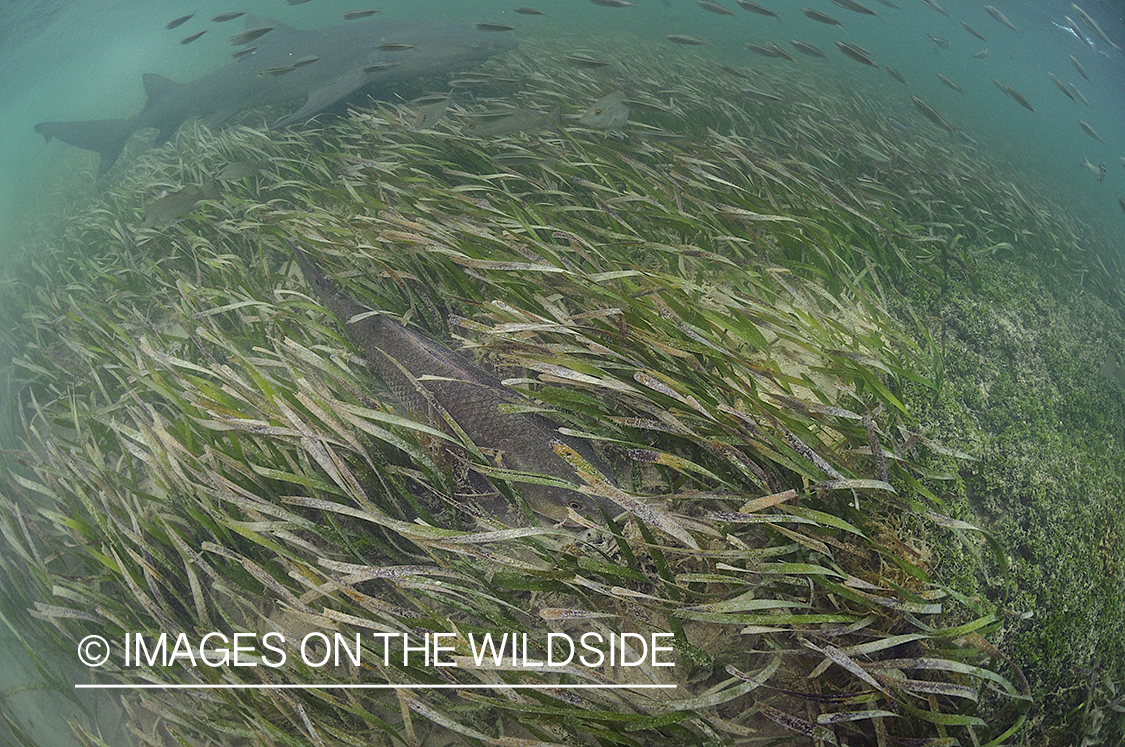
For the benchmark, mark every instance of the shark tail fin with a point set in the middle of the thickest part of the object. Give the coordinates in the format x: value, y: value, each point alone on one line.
x: 106, y: 137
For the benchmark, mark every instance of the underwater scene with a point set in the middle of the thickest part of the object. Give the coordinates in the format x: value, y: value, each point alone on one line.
x: 589, y: 372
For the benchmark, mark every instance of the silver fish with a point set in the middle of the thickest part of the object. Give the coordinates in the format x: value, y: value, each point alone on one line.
x: 816, y: 15
x: 981, y: 54
x: 857, y: 53
x: 933, y: 4
x: 1077, y: 94
x: 755, y: 8
x: 1093, y: 25
x: 1061, y: 86
x: 972, y: 31
x: 1090, y: 131
x: 378, y: 67
x: 713, y: 7
x: 1078, y: 66
x: 167, y: 209
x: 224, y: 17
x: 807, y: 49
x: 609, y: 113
x: 687, y: 41
x: 249, y: 35
x: 874, y: 155
x: 950, y: 83
x: 233, y: 172
x: 276, y: 72
x: 1098, y: 171
x: 931, y: 114
x: 1020, y: 99
x: 429, y: 113
x: 995, y: 13
x: 499, y: 124
x: 772, y: 50
x: 480, y: 81
x: 179, y: 21
x: 351, y: 15
x: 855, y: 7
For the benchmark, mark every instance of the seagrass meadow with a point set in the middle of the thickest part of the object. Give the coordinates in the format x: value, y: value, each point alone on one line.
x: 873, y: 485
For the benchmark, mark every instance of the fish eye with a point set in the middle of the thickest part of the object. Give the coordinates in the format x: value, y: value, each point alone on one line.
x: 575, y: 504
x: 597, y: 112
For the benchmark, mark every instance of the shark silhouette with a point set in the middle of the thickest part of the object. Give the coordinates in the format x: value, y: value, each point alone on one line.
x: 417, y: 48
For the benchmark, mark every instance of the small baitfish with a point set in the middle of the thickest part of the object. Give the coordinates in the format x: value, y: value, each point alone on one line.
x: 474, y: 399
x: 1098, y: 170
x: 509, y: 122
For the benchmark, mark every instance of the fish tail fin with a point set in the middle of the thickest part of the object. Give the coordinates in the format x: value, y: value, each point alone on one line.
x: 106, y: 137
x: 211, y: 190
x: 555, y: 116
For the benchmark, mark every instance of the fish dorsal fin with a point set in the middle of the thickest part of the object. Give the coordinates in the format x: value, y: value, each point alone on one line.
x: 157, y: 87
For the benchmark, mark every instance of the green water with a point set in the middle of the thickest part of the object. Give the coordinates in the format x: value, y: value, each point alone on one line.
x: 1035, y: 356
x: 85, y: 60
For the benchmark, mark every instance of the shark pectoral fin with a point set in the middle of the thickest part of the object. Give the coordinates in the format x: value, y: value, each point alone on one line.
x: 324, y: 97
x: 106, y: 137
x: 165, y: 134
x: 157, y: 87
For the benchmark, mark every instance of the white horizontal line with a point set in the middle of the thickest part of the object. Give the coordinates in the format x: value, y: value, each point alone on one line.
x: 361, y: 686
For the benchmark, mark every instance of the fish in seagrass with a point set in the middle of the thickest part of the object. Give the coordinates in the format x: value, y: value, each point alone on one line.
x: 428, y: 377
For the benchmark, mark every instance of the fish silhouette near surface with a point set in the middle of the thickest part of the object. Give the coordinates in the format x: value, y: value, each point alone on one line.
x: 349, y: 57
x: 428, y: 378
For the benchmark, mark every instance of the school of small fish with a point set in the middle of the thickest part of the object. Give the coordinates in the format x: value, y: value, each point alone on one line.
x: 612, y: 112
